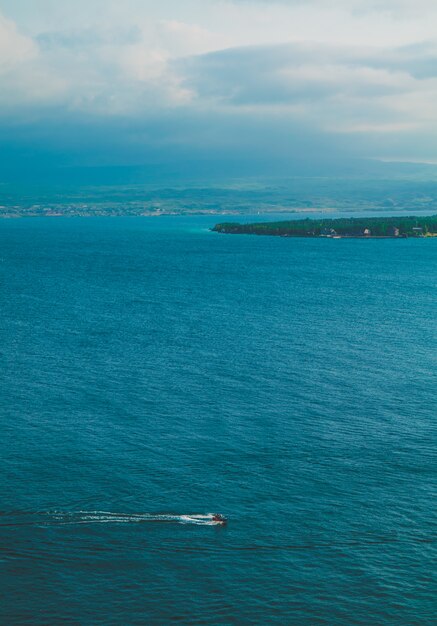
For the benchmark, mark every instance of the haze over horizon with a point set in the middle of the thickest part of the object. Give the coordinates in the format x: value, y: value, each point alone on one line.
x: 288, y: 83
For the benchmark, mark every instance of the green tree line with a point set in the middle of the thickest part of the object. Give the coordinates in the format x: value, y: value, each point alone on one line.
x: 408, y: 226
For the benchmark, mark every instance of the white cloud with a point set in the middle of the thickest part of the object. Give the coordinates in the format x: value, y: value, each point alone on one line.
x: 15, y: 48
x: 24, y: 78
x: 98, y: 70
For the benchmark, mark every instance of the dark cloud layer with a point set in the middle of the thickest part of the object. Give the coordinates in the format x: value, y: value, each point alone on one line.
x: 296, y: 72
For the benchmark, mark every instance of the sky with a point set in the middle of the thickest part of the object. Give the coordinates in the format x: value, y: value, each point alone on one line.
x: 97, y: 83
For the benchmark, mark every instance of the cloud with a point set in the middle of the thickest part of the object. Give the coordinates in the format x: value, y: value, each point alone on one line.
x: 121, y: 70
x: 25, y: 80
x: 362, y: 6
x: 15, y: 48
x: 333, y: 87
x: 220, y: 74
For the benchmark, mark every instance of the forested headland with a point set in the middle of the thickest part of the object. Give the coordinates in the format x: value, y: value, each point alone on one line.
x: 365, y: 227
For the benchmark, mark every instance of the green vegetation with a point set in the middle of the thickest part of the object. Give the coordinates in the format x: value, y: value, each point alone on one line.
x: 408, y: 226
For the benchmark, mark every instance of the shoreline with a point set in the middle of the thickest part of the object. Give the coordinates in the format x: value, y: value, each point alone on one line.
x: 389, y: 227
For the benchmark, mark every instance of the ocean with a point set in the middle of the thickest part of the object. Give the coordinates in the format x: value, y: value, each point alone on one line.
x: 154, y: 373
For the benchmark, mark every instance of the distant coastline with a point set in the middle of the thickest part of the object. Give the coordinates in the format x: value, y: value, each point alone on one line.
x: 136, y: 210
x: 399, y: 227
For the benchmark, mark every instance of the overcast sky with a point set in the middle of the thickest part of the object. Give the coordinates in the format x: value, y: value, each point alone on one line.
x: 99, y: 82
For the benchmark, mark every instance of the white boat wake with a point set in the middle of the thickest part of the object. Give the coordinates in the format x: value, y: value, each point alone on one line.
x: 63, y: 518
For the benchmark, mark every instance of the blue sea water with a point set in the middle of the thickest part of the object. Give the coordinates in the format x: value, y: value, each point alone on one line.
x: 153, y: 370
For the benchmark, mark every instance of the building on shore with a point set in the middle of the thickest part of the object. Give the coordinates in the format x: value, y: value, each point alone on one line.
x: 328, y: 232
